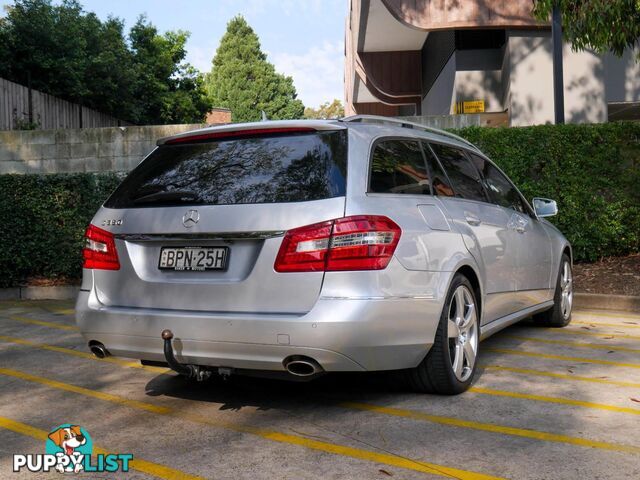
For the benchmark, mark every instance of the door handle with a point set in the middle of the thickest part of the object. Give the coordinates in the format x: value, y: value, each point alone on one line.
x: 518, y: 223
x: 471, y: 218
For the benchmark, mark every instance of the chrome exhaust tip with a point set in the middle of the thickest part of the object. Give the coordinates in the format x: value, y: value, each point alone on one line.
x: 99, y: 350
x: 302, y: 366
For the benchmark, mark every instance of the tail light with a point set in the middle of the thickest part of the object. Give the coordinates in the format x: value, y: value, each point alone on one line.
x: 99, y: 251
x: 362, y: 242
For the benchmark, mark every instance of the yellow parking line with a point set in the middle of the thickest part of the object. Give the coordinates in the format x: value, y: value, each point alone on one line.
x: 564, y: 376
x: 605, y: 313
x: 490, y: 427
x: 604, y: 324
x: 382, y: 458
x: 595, y: 346
x: 559, y: 400
x: 42, y: 323
x: 153, y: 469
x: 568, y: 331
x: 77, y: 353
x: 549, y: 356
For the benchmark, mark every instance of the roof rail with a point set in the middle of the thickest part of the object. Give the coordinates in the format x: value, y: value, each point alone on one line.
x: 405, y: 124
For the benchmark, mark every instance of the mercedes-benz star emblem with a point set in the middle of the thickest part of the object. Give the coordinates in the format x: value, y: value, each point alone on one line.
x: 190, y: 218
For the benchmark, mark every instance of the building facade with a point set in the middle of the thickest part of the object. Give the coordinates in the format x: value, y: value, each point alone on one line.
x: 439, y: 57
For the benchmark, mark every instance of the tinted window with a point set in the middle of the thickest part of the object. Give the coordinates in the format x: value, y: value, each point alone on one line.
x: 397, y: 166
x: 500, y: 189
x: 463, y: 174
x: 439, y: 180
x: 270, y: 169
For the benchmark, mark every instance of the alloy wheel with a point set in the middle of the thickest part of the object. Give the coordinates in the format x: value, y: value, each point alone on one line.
x: 566, y: 286
x: 462, y: 327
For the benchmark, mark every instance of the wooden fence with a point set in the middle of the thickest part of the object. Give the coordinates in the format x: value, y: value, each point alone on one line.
x: 21, y: 107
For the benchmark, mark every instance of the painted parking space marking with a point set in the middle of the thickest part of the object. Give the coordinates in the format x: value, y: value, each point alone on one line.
x: 42, y: 323
x: 550, y: 356
x: 383, y: 458
x: 77, y: 353
x: 568, y: 331
x: 564, y: 376
x: 558, y: 400
x: 491, y: 427
x: 595, y: 346
x: 144, y: 466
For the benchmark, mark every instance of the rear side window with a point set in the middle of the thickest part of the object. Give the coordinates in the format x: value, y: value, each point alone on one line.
x: 267, y: 169
x: 439, y: 180
x: 463, y: 174
x: 397, y: 166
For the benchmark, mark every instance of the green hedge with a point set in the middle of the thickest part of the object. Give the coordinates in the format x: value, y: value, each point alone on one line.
x: 593, y: 171
x: 43, y: 219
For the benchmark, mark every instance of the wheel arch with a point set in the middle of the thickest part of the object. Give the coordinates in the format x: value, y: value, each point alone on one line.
x: 470, y: 274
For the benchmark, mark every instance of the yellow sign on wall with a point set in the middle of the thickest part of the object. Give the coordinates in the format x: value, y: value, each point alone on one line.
x: 472, y: 106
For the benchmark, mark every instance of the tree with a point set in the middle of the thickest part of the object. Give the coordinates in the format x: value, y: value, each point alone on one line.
x: 69, y: 53
x: 242, y: 79
x: 167, y: 90
x: 600, y: 25
x: 325, y: 111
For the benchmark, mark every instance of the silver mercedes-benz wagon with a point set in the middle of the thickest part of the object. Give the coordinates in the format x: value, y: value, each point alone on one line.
x: 295, y: 248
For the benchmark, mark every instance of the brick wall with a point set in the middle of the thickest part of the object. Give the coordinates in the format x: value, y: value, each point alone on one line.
x: 218, y: 116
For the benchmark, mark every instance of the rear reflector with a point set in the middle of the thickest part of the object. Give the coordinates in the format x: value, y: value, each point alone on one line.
x: 99, y: 251
x: 362, y: 242
x: 255, y: 132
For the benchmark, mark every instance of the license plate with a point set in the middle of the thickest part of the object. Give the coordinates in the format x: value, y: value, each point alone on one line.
x: 193, y: 258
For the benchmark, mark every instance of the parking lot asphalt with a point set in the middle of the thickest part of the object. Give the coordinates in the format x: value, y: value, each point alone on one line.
x: 546, y: 404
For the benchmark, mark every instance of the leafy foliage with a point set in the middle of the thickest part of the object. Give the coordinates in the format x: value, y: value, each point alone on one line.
x: 47, y: 215
x: 601, y: 25
x: 244, y: 81
x: 326, y: 111
x: 72, y: 54
x: 592, y: 171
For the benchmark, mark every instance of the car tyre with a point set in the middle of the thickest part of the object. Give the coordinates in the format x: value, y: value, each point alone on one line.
x: 560, y: 314
x: 450, y: 365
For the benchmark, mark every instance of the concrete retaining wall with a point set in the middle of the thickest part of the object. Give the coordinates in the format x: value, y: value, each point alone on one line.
x: 80, y: 150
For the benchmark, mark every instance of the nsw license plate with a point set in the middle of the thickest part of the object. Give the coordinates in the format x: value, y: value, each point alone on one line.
x: 193, y: 258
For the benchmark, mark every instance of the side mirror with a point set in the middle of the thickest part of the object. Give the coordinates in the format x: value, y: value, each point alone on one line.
x: 545, y: 207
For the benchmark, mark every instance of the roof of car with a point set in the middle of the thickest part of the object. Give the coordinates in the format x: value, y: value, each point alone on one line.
x: 376, y: 125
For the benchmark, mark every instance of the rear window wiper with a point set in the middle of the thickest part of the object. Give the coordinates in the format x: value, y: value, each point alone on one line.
x: 171, y: 195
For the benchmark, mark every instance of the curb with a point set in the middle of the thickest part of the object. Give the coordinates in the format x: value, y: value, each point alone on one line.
x: 64, y: 292
x: 599, y: 301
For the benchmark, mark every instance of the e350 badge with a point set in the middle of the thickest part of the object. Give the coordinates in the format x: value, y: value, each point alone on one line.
x: 69, y: 449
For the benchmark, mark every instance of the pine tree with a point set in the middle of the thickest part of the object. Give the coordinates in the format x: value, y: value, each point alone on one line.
x: 245, y: 82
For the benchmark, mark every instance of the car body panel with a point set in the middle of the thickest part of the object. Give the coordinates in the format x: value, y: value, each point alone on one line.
x: 251, y: 317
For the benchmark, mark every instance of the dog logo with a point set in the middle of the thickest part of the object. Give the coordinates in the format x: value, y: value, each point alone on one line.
x: 71, y: 441
x: 190, y: 218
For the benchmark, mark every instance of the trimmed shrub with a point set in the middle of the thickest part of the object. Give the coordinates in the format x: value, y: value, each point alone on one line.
x: 592, y: 171
x: 43, y: 219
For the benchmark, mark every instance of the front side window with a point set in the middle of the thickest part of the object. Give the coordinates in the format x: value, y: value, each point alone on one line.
x: 464, y: 176
x: 397, y: 166
x: 500, y: 189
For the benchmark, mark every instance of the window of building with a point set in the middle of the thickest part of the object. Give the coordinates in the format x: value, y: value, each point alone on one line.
x: 397, y: 166
x: 479, y: 39
x: 464, y: 176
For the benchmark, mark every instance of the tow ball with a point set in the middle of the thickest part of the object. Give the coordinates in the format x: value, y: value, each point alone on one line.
x: 190, y: 371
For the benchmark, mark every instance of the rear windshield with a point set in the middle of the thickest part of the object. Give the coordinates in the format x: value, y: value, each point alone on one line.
x: 273, y: 169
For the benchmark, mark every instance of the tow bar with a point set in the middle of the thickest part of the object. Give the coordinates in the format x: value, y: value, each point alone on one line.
x: 190, y: 371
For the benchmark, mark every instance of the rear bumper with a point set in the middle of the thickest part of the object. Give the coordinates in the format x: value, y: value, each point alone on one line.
x: 342, y: 334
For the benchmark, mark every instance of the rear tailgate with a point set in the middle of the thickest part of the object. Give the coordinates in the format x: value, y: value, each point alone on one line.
x: 237, y: 194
